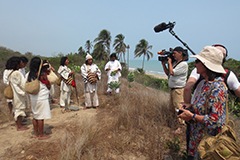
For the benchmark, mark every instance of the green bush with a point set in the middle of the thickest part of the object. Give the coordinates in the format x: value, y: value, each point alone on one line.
x: 130, y: 77
x: 150, y: 81
x: 174, y: 145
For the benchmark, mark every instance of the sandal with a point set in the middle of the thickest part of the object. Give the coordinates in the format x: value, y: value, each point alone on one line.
x: 22, y: 128
x: 43, y: 137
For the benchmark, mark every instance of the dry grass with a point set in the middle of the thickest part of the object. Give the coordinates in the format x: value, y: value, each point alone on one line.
x: 77, y: 142
x: 135, y: 123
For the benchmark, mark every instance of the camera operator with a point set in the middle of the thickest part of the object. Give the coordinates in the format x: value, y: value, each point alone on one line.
x: 177, y: 76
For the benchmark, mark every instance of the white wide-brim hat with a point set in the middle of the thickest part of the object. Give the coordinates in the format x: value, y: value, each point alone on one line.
x: 212, y: 58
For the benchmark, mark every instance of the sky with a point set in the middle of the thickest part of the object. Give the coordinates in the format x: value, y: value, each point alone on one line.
x: 50, y: 27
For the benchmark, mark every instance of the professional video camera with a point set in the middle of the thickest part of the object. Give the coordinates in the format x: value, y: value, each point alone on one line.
x: 163, y: 55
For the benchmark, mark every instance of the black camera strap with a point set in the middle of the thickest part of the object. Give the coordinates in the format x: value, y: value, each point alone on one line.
x: 175, y: 65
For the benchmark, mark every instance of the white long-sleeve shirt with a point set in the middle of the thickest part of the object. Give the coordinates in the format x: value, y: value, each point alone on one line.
x: 113, y: 66
x: 85, y: 69
x: 6, y: 73
x: 17, y: 82
x: 64, y: 71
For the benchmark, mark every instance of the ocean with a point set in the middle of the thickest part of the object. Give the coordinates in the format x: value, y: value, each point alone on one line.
x: 151, y: 66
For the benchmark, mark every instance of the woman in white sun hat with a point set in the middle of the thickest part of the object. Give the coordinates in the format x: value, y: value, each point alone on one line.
x: 207, y: 113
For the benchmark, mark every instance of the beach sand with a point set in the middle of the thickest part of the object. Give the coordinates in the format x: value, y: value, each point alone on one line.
x: 157, y: 75
x: 160, y: 76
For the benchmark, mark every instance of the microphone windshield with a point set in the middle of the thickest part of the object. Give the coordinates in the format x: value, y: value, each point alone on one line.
x: 160, y: 27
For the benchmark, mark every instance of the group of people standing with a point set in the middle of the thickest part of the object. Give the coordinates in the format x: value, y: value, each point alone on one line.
x: 16, y: 76
x: 91, y: 74
x: 204, y: 111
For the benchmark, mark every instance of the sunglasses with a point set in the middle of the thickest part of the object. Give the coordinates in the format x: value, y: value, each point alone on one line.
x: 197, y: 61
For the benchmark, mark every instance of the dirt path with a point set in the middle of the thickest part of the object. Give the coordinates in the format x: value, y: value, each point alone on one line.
x: 20, y: 144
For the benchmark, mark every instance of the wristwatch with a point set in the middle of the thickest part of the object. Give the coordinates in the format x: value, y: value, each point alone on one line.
x: 193, y: 117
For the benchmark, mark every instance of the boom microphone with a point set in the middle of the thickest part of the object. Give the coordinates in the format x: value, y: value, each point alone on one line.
x: 163, y: 26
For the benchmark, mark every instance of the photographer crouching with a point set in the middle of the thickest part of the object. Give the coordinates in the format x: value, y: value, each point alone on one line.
x: 176, y: 68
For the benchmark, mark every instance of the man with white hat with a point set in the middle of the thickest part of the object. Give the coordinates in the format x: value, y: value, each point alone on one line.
x: 207, y: 111
x: 91, y: 74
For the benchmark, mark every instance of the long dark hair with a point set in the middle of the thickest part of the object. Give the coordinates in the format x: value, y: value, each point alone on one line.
x: 13, y: 63
x: 212, y: 75
x: 63, y: 60
x: 34, y: 67
x: 24, y: 59
x: 45, y: 67
x: 8, y: 64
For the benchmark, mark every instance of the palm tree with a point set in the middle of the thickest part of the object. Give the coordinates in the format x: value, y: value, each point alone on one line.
x: 81, y: 51
x: 120, y: 46
x: 142, y: 48
x: 88, y: 46
x: 128, y: 47
x: 99, y: 53
x: 102, y: 44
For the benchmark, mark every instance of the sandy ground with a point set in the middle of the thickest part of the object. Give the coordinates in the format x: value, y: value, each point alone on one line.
x: 157, y: 75
x: 21, y: 145
x: 160, y: 76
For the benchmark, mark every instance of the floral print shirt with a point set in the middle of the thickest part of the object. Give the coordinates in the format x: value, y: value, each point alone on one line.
x: 210, y: 101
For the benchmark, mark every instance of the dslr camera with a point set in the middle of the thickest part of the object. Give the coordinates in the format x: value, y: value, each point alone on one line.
x: 163, y: 55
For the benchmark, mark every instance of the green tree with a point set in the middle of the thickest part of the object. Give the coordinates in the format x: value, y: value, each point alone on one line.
x: 102, y: 45
x: 99, y: 53
x: 88, y: 46
x: 81, y: 51
x: 143, y: 49
x: 120, y: 47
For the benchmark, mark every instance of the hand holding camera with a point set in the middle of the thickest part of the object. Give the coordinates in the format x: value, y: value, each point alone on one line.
x: 185, y: 112
x: 179, y: 111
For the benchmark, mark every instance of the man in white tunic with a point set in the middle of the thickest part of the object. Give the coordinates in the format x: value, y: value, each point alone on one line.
x: 113, y: 68
x: 91, y: 74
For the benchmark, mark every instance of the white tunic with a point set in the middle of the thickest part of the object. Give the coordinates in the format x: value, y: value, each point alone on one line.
x: 40, y: 103
x: 64, y: 71
x: 6, y: 73
x: 113, y: 66
x: 17, y: 83
x: 85, y: 69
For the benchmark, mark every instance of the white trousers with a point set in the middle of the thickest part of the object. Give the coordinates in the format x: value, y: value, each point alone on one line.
x: 65, y: 99
x: 91, y: 99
